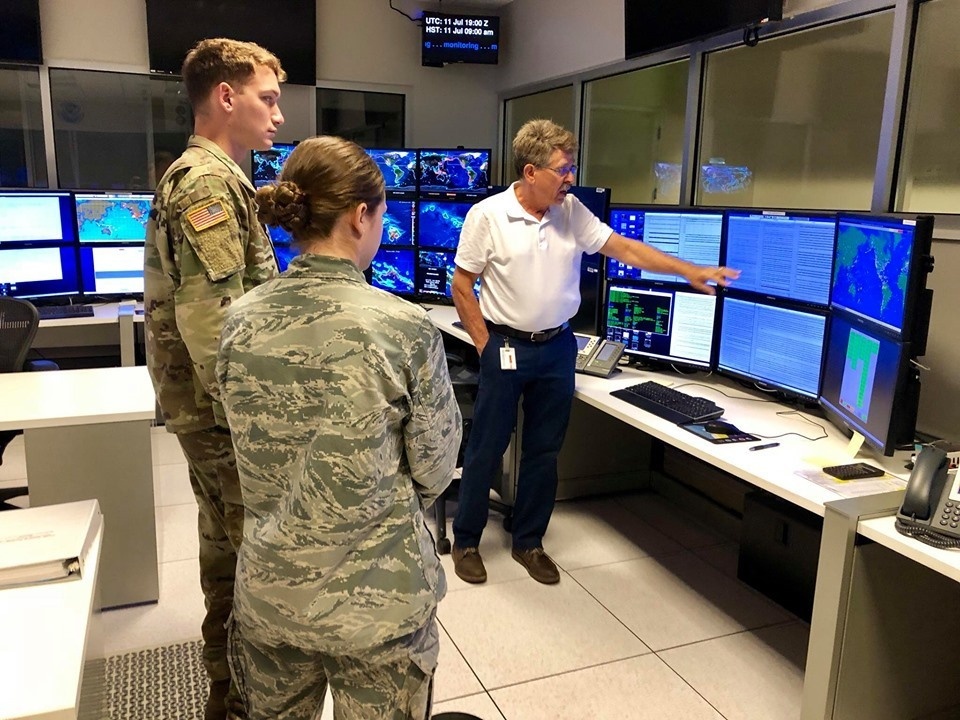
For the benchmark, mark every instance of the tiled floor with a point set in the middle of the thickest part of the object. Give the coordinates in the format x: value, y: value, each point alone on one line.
x: 648, y: 620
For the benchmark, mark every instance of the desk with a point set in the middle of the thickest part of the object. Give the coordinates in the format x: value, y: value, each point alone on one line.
x: 87, y: 435
x: 48, y: 638
x: 109, y: 330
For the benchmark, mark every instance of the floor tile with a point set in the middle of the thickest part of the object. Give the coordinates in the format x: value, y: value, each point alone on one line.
x: 677, y: 599
x: 495, y: 547
x: 750, y: 675
x: 480, y: 705
x: 172, y: 483
x: 177, y: 537
x: 599, y: 531
x: 641, y: 688
x: 517, y: 631
x: 454, y: 677
x: 175, y: 618
x: 165, y: 447
x: 671, y: 520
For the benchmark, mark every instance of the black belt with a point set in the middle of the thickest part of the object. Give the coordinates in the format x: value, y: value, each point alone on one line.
x: 538, y: 337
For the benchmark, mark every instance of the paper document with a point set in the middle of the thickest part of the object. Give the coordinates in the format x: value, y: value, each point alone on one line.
x: 854, y: 488
x: 45, y: 544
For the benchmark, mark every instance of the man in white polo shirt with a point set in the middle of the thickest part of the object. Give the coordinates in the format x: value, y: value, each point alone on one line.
x: 525, y: 244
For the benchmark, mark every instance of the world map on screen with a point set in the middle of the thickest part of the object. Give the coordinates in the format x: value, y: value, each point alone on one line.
x: 112, y: 220
x: 872, y: 271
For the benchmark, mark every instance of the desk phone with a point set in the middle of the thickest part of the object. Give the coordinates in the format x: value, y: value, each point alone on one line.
x: 596, y: 356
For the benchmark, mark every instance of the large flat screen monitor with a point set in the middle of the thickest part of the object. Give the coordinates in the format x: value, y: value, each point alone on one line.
x: 112, y: 218
x: 399, y: 222
x: 691, y: 234
x: 455, y: 38
x: 666, y: 323
x: 36, y: 217
x: 782, y: 254
x: 394, y: 270
x: 38, y: 272
x: 879, y: 271
x: 869, y: 383
x: 454, y: 170
x: 399, y: 168
x: 775, y: 346
x: 439, y: 222
x: 267, y: 165
x: 111, y: 270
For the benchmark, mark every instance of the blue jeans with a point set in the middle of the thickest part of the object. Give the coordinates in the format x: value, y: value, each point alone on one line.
x: 544, y: 378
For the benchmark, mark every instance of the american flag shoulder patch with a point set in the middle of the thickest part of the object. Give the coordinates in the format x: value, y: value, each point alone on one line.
x: 207, y: 215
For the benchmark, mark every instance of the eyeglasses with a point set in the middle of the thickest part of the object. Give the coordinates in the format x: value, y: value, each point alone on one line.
x: 563, y: 171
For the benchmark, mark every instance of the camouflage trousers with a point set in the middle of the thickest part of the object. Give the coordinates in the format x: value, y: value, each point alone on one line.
x: 390, y: 682
x: 216, y: 486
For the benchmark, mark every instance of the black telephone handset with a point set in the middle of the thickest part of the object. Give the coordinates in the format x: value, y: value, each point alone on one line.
x: 931, y: 506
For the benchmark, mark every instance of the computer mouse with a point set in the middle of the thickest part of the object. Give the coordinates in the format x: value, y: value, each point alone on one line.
x: 719, y: 427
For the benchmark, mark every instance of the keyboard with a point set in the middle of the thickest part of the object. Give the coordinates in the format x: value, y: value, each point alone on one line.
x: 59, y: 312
x: 853, y: 471
x: 668, y: 403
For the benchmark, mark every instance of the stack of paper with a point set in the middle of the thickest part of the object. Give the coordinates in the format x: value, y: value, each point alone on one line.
x: 46, y: 544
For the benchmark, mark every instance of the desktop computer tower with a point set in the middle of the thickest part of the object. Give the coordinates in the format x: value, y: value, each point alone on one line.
x: 587, y: 319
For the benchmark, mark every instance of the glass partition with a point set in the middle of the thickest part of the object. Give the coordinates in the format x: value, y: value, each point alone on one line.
x: 556, y: 105
x: 370, y: 119
x: 22, y: 156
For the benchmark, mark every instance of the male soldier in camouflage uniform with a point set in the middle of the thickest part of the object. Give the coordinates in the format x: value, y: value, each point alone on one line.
x: 346, y: 429
x: 205, y: 249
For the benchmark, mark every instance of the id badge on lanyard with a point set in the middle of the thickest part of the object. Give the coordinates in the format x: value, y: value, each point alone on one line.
x: 508, y: 356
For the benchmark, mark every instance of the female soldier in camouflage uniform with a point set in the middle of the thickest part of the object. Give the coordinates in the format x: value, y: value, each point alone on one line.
x: 345, y: 429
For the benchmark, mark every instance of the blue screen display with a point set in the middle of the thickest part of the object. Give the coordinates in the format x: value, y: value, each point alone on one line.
x: 455, y: 171
x: 440, y: 223
x: 393, y: 270
x: 399, y: 168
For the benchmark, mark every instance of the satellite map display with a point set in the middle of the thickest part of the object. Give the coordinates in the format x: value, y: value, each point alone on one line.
x: 398, y: 223
x: 267, y: 164
x: 454, y: 170
x: 440, y: 223
x: 399, y: 168
x: 392, y: 270
x: 105, y: 218
x: 872, y: 270
x: 436, y: 272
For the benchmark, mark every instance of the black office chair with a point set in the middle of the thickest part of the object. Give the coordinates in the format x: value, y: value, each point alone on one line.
x: 465, y: 383
x: 18, y: 326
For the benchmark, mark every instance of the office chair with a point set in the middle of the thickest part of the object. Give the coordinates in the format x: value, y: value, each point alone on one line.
x: 465, y: 382
x: 18, y: 326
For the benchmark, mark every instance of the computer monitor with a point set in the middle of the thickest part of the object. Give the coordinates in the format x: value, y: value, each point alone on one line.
x: 31, y: 218
x: 439, y: 222
x: 454, y: 170
x: 660, y: 322
x: 435, y: 274
x: 393, y: 270
x: 112, y: 217
x: 38, y: 272
x: 111, y: 270
x: 399, y: 168
x: 879, y: 271
x: 399, y: 221
x: 782, y: 254
x: 597, y: 199
x: 267, y: 164
x: 772, y: 344
x: 690, y: 234
x: 869, y: 384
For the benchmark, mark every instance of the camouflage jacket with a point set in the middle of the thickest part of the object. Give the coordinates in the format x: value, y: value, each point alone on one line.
x: 204, y: 250
x: 345, y: 428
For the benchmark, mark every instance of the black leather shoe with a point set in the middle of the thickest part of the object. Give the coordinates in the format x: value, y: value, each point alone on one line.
x: 468, y: 565
x: 538, y: 564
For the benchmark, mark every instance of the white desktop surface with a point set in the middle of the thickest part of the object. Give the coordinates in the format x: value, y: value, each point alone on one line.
x: 103, y: 314
x: 772, y: 470
x: 75, y: 397
x: 45, y: 636
x: 882, y: 531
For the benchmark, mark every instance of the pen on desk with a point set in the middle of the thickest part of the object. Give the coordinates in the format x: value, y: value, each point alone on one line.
x: 764, y: 447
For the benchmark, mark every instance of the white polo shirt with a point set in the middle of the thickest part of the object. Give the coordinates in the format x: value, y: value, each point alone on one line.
x: 529, y: 268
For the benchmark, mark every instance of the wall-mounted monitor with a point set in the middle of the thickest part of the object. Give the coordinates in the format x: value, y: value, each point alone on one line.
x: 455, y: 38
x: 869, y: 383
x: 775, y: 346
x: 879, y: 271
x: 454, y: 170
x: 690, y: 234
x: 287, y: 28
x: 782, y: 254
x: 114, y: 218
x: 20, y: 32
x: 394, y: 270
x: 111, y: 270
x: 399, y: 168
x: 664, y: 323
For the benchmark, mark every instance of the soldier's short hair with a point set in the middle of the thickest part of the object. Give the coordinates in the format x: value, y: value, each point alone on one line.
x: 535, y: 142
x: 216, y: 60
x: 323, y: 178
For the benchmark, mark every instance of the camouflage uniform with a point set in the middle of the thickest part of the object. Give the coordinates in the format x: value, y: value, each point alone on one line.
x: 204, y: 250
x: 346, y: 429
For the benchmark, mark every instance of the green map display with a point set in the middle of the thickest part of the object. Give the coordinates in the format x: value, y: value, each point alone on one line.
x: 872, y: 271
x: 112, y: 219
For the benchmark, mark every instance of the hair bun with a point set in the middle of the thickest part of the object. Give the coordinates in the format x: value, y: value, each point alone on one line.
x: 283, y: 204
